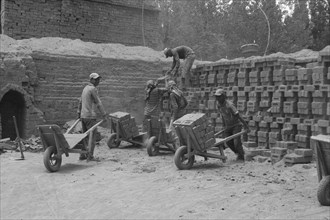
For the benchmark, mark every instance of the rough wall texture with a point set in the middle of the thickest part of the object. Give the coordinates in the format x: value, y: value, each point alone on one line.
x: 129, y: 22
x: 50, y: 85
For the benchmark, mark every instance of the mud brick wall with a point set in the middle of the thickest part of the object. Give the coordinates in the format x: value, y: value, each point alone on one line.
x: 100, y: 21
x: 48, y: 86
x: 62, y: 79
x: 283, y: 100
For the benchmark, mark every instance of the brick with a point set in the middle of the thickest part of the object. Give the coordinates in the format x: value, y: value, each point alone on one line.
x: 250, y: 144
x: 278, y: 151
x: 295, y: 159
x: 304, y: 152
x: 296, y: 121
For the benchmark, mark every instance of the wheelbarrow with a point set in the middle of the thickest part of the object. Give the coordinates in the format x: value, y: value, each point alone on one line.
x: 159, y: 137
x: 119, y: 133
x: 321, y: 144
x: 55, y: 143
x: 184, y: 157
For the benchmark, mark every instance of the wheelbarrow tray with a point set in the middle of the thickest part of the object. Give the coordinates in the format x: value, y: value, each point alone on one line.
x: 321, y: 144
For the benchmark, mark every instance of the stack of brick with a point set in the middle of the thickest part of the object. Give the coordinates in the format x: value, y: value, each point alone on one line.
x: 193, y: 101
x: 320, y: 75
x: 265, y: 97
x: 212, y: 104
x: 319, y: 104
x: 212, y: 79
x: 279, y: 76
x: 263, y: 133
x: 291, y: 76
x: 254, y: 128
x: 266, y: 76
x: 304, y: 132
x: 127, y: 124
x: 274, y: 134
x: 203, y: 79
x: 242, y: 78
x: 290, y: 108
x: 322, y: 127
x: 305, y: 101
x: 253, y: 103
x: 197, y: 126
x: 242, y: 100
x: 232, y: 77
x: 299, y: 156
x: 254, y: 78
x: 277, y: 104
x: 305, y: 76
x: 277, y: 153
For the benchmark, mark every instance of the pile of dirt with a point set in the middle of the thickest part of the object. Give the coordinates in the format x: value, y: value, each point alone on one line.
x: 64, y: 46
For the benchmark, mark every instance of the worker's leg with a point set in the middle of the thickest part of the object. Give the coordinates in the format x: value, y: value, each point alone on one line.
x: 85, y: 140
x: 230, y: 143
x: 91, y: 142
x: 238, y: 143
x: 145, y: 123
x: 186, y: 77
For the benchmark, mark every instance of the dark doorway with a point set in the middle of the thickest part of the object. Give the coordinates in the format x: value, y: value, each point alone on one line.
x: 12, y: 104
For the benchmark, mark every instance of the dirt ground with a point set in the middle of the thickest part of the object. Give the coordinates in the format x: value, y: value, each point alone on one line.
x: 128, y: 184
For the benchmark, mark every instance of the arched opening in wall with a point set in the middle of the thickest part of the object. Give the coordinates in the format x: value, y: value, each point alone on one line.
x: 12, y: 104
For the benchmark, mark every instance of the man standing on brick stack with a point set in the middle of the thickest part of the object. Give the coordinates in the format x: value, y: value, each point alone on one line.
x: 86, y: 111
x: 232, y: 122
x: 181, y: 52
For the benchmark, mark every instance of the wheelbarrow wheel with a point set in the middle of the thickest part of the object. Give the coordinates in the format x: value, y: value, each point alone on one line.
x: 112, y: 141
x: 52, y: 160
x: 181, y: 159
x: 323, y: 192
x: 152, y: 146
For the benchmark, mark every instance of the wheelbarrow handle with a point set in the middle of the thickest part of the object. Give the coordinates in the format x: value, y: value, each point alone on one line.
x: 235, y: 135
x: 72, y: 126
x: 220, y: 132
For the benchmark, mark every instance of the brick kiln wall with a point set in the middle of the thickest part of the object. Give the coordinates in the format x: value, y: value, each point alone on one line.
x: 100, y: 21
x: 52, y: 84
x: 62, y: 79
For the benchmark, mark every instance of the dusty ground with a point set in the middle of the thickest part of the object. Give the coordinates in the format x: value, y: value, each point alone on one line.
x: 128, y: 184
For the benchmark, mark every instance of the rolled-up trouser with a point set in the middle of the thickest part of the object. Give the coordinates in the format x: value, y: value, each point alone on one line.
x: 235, y: 144
x: 86, y: 124
x: 186, y: 69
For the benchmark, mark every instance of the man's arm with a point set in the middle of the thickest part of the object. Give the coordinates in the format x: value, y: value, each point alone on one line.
x: 176, y: 63
x: 98, y: 102
x: 79, y: 107
x: 246, y: 126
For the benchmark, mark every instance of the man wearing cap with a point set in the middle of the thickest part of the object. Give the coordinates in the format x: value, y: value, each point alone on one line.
x: 181, y: 52
x: 232, y: 122
x: 153, y: 97
x: 88, y: 103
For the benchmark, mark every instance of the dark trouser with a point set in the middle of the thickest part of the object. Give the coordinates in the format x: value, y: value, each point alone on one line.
x: 145, y: 123
x: 86, y: 124
x: 186, y: 78
x: 235, y: 144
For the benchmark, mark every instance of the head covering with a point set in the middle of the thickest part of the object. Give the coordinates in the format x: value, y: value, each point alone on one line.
x: 150, y: 83
x: 94, y: 76
x: 171, y: 83
x: 167, y: 52
x: 220, y: 92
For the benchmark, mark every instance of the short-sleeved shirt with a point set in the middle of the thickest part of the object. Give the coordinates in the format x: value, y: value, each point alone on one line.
x: 229, y: 113
x: 152, y: 104
x: 90, y: 101
x: 181, y: 52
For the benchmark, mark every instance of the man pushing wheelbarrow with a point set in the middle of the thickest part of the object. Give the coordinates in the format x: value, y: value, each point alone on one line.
x: 233, y: 123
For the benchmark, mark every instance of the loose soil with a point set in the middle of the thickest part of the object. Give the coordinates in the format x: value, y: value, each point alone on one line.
x: 128, y: 184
